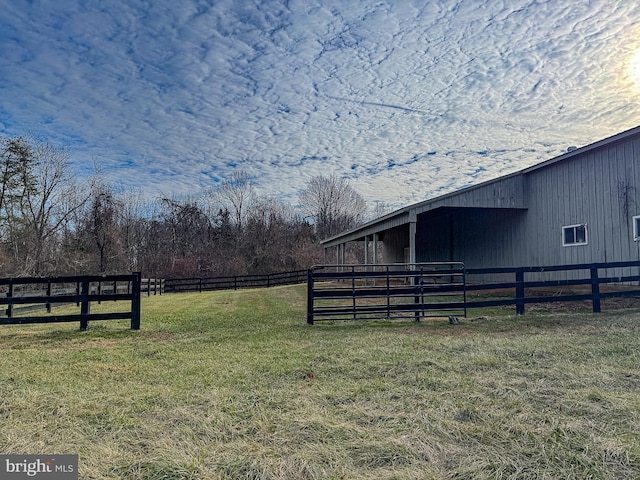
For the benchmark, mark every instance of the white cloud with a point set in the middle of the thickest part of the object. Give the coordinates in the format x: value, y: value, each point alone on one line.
x: 408, y: 99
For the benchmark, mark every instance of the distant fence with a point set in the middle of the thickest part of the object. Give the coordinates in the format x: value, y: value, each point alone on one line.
x: 28, y: 294
x: 152, y: 286
x: 174, y: 285
x: 343, y: 292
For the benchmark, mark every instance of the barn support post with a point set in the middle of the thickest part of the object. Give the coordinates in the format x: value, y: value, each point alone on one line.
x: 366, y: 251
x: 375, y: 255
x: 376, y: 238
x: 341, y: 256
x: 595, y: 289
x: 412, y: 239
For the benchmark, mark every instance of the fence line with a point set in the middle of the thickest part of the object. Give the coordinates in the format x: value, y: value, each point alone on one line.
x: 81, y: 290
x: 234, y: 282
x: 514, y: 291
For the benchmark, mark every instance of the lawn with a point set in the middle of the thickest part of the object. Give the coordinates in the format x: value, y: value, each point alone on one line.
x: 235, y: 385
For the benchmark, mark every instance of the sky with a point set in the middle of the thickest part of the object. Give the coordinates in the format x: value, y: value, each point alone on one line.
x: 406, y: 99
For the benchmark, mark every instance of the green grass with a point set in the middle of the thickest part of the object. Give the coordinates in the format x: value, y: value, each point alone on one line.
x: 235, y: 385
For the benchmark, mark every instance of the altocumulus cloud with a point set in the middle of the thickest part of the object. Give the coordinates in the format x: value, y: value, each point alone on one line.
x: 408, y: 99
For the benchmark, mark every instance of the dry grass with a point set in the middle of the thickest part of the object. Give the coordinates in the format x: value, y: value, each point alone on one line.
x: 234, y: 385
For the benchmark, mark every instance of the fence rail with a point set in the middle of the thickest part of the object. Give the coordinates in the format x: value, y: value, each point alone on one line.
x: 81, y: 290
x: 590, y: 275
x: 346, y: 287
x: 234, y: 282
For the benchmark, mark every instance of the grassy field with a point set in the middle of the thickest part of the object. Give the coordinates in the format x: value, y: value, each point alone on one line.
x: 235, y: 385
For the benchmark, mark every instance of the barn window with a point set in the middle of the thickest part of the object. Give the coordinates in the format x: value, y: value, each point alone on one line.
x: 636, y: 229
x: 574, y: 235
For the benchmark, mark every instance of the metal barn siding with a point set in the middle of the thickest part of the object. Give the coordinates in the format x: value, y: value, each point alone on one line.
x: 596, y: 188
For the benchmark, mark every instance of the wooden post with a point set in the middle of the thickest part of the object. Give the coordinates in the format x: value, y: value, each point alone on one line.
x: 310, y: 296
x: 85, y: 306
x: 49, y: 295
x: 353, y: 291
x: 520, y: 291
x: 135, y: 301
x: 10, y: 295
x: 595, y: 290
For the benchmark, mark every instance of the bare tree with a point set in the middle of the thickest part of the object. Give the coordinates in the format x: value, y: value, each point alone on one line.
x: 190, y: 236
x: 236, y: 194
x: 380, y: 209
x: 104, y: 226
x: 333, y: 204
x: 43, y: 205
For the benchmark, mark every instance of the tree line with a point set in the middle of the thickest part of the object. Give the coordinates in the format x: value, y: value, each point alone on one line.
x: 51, y: 223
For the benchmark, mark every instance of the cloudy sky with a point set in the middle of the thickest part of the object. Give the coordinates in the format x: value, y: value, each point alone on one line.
x: 407, y: 99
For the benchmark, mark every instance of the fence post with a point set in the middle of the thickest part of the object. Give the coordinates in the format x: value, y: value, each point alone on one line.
x: 353, y: 291
x: 85, y: 306
x: 595, y: 290
x: 10, y: 295
x: 310, y: 296
x: 135, y: 301
x: 520, y: 291
x: 49, y: 295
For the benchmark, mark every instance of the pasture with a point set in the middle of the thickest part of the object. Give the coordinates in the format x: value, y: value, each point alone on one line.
x: 235, y: 385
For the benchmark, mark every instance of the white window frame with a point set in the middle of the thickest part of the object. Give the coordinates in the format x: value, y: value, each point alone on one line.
x: 575, y: 226
x: 636, y: 228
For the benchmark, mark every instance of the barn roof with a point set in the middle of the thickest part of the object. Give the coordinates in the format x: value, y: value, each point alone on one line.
x: 502, y: 192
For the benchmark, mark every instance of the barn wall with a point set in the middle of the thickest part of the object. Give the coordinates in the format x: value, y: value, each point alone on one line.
x: 394, y: 242
x: 597, y: 188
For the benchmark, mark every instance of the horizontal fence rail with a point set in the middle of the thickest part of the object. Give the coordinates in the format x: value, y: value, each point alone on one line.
x: 622, y: 278
x: 22, y: 295
x: 388, y: 291
x: 347, y: 286
x: 235, y: 282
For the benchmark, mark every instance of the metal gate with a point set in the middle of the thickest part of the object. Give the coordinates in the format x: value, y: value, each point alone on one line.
x: 386, y: 291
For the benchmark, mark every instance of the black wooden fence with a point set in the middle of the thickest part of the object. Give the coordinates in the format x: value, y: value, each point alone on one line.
x: 621, y: 278
x: 389, y: 291
x: 234, y: 282
x: 345, y: 292
x: 81, y: 290
x: 152, y: 286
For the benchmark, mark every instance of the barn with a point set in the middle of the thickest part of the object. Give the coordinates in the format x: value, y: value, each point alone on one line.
x: 580, y: 207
